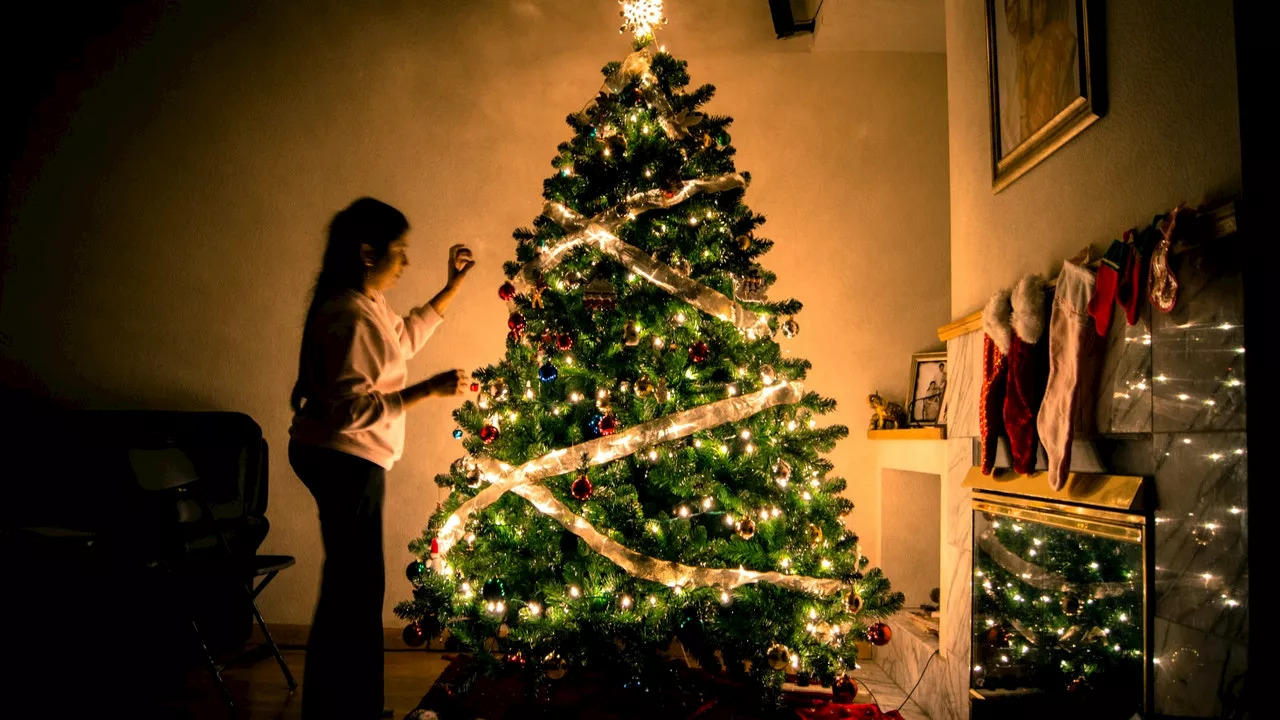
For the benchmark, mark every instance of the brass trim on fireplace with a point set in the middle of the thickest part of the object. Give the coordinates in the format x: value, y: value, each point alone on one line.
x: 1117, y: 526
x: 1115, y: 492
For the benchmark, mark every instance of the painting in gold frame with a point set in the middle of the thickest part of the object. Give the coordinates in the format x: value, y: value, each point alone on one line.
x: 1044, y: 76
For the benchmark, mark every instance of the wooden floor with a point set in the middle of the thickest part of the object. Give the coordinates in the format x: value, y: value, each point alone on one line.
x: 260, y: 691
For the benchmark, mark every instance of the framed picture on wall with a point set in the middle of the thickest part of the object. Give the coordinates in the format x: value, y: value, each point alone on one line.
x: 928, y: 383
x: 1044, y: 76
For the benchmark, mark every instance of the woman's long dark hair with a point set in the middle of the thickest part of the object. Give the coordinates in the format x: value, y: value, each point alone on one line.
x: 365, y: 222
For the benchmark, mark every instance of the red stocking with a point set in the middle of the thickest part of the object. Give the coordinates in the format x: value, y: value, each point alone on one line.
x: 1132, y: 277
x: 995, y: 343
x: 1110, y: 271
x: 1028, y: 370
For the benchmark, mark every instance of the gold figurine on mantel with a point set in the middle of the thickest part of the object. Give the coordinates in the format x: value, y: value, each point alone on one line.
x: 886, y: 415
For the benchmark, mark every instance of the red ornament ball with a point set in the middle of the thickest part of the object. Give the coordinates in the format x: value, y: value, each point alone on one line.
x: 564, y: 341
x: 997, y: 638
x: 844, y: 690
x: 516, y: 322
x: 475, y: 387
x: 507, y: 291
x: 879, y: 634
x: 698, y: 352
x: 581, y: 488
x: 414, y: 635
x: 608, y: 425
x: 515, y: 662
x: 488, y: 434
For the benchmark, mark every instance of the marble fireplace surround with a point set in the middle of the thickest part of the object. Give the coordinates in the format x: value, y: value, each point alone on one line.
x: 1170, y: 406
x: 940, y: 664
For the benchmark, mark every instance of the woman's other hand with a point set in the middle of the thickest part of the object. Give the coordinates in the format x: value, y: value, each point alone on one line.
x: 460, y: 263
x: 447, y: 383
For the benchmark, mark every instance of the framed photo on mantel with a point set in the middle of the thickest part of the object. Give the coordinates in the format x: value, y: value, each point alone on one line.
x: 928, y: 385
x: 1045, y: 79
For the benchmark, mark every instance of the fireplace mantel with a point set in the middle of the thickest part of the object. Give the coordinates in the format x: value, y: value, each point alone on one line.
x: 933, y: 432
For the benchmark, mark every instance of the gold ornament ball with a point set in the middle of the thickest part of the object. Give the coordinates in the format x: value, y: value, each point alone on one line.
x: 815, y: 535
x: 554, y: 666
x: 778, y: 657
x: 644, y: 387
x: 744, y: 242
x: 790, y: 328
x: 746, y: 528
x: 768, y: 375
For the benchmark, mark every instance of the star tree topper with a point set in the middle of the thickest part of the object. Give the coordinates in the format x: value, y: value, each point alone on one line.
x: 641, y: 17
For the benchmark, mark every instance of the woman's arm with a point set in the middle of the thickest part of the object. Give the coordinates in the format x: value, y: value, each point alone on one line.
x: 421, y: 322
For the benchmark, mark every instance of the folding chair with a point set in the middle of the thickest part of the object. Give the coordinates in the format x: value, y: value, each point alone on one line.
x: 185, y: 539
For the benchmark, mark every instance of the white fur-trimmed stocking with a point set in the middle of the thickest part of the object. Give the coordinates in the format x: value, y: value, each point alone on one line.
x: 1070, y: 346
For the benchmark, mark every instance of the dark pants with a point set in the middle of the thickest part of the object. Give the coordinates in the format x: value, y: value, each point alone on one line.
x: 343, y: 671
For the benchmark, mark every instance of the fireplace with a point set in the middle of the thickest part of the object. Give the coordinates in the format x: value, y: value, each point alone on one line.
x: 1060, y: 611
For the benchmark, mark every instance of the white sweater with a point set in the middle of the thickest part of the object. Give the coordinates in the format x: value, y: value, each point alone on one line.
x: 354, y: 372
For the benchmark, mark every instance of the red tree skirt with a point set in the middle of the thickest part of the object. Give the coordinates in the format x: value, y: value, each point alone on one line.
x: 462, y: 694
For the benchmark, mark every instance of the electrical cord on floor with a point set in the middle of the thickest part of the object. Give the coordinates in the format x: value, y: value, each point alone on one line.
x: 874, y: 700
x: 913, y: 687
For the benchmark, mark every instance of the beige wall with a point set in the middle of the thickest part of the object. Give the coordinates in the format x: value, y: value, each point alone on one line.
x: 162, y: 250
x: 1171, y: 135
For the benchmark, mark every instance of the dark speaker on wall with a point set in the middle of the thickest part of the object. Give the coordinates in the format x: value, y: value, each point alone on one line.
x: 794, y: 16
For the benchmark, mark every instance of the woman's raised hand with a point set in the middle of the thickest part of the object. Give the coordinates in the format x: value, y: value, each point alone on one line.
x: 460, y: 263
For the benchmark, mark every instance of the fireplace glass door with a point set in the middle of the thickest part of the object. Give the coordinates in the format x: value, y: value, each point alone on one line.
x: 1059, y: 609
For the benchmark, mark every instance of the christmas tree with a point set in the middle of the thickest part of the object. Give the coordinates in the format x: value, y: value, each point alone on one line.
x: 644, y: 464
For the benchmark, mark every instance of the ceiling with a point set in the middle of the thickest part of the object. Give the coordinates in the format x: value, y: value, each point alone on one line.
x: 843, y: 25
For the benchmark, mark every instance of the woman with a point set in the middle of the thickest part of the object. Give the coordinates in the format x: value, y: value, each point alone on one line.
x: 348, y: 430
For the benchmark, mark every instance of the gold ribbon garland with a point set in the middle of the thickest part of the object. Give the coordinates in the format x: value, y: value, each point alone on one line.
x: 608, y: 448
x: 523, y: 480
x: 671, y: 574
x: 599, y: 232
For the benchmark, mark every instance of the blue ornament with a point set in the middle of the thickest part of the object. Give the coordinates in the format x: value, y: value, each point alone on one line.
x: 548, y: 372
x: 457, y: 433
x: 593, y: 424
